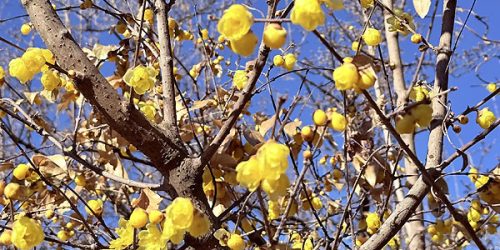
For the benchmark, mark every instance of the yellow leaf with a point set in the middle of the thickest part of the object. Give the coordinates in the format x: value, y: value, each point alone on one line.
x: 422, y: 7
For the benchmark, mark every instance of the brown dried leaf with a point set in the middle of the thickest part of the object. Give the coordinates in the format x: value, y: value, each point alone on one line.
x: 54, y: 165
x: 267, y: 125
x: 148, y: 200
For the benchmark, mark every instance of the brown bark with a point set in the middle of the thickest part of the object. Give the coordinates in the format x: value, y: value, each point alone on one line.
x: 414, y: 228
x: 435, y: 145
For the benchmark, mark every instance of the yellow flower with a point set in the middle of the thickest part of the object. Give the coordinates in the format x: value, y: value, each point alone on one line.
x: 236, y: 242
x: 249, y: 173
x: 276, y: 188
x: 149, y: 15
x: 151, y: 238
x: 334, y: 4
x: 50, y: 80
x: 355, y: 45
x: 273, y: 210
x: 290, y: 61
x: 245, y: 45
x: 491, y: 87
x: 34, y: 59
x: 320, y: 118
x: 372, y: 37
x: 180, y: 213
x: 240, y: 79
x: 26, y: 233
x: 339, y: 122
x: 96, y: 206
x: 308, y: 14
x: 405, y: 124
x: 6, y: 238
x: 422, y: 115
x: 274, y: 36
x: 148, y: 109
x: 366, y: 3
x: 25, y: 29
x: 278, y: 60
x: 125, y: 233
x: 172, y: 233
x: 155, y: 216
x: 346, y: 75
x: 200, y: 225
x: 141, y: 78
x: 274, y: 157
x: 19, y: 70
x: 366, y: 79
x: 419, y: 93
x: 485, y: 118
x: 373, y: 221
x: 138, y: 218
x: 235, y: 23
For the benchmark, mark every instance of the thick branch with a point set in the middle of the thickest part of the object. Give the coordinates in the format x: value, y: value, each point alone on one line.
x: 127, y: 121
x: 167, y: 68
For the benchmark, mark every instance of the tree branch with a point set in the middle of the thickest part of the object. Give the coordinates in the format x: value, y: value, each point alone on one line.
x: 128, y: 122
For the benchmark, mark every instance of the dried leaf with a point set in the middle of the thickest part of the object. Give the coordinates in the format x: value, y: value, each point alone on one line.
x: 422, y: 7
x: 253, y: 137
x: 291, y: 127
x: 202, y: 104
x: 54, y: 165
x: 371, y: 175
x: 148, y: 200
x: 267, y: 125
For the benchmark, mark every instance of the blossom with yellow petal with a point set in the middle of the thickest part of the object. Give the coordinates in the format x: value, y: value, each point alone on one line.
x: 26, y: 233
x: 308, y: 14
x: 235, y: 23
x: 141, y: 78
x: 245, y: 45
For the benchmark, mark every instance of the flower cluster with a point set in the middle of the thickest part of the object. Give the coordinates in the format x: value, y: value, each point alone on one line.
x: 419, y: 116
x: 372, y: 222
x: 485, y: 118
x: 274, y: 36
x: 308, y: 13
x: 266, y: 169
x: 32, y: 62
x: 141, y: 78
x: 348, y: 76
x: 240, y: 79
x: 179, y: 217
x: 438, y: 230
x: 26, y: 233
x: 235, y: 26
x: 287, y: 62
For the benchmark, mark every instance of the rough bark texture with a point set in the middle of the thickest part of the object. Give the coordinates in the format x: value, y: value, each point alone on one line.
x: 414, y: 228
x: 435, y: 145
x: 128, y: 122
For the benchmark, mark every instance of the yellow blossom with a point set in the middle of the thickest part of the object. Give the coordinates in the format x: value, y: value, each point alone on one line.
x: 334, y: 4
x: 180, y: 213
x: 274, y: 36
x: 140, y: 78
x: 26, y: 233
x: 346, y: 75
x: 422, y: 114
x: 125, y: 233
x: 276, y: 188
x: 249, y: 173
x: 372, y: 37
x: 485, y: 118
x: 308, y: 14
x: 25, y: 29
x: 240, y: 79
x: 290, y: 61
x: 338, y: 122
x: 366, y: 3
x: 278, y: 60
x: 151, y: 238
x: 235, y: 23
x: 50, y: 80
x: 245, y: 45
x: 148, y: 109
x: 200, y: 225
